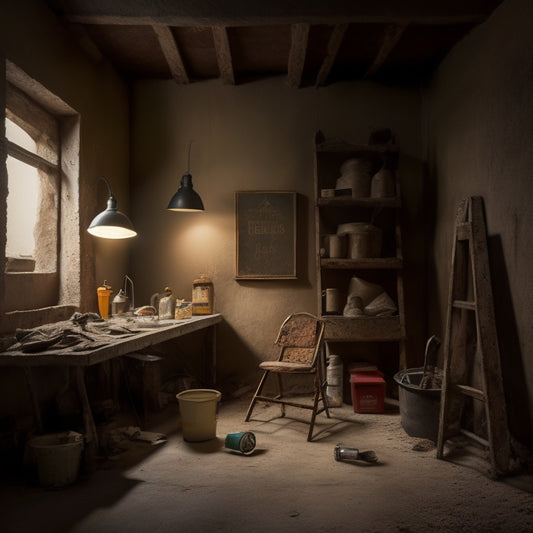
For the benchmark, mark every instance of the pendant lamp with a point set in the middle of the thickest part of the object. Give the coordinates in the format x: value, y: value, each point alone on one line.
x: 111, y: 223
x: 186, y: 199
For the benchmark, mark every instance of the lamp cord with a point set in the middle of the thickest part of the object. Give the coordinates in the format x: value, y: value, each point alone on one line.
x: 189, y: 158
x: 108, y: 186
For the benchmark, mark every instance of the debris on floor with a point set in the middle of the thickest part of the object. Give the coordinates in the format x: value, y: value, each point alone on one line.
x: 424, y: 445
x: 118, y: 440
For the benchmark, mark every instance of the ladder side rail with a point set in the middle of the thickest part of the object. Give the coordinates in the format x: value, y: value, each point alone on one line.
x: 496, y: 413
x: 450, y: 404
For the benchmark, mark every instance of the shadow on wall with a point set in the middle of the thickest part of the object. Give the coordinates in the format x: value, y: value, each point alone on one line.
x: 514, y: 382
x: 236, y: 363
x: 436, y: 320
x: 415, y: 236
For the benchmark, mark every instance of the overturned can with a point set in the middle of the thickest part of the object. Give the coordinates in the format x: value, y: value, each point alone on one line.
x: 243, y: 442
x: 349, y: 455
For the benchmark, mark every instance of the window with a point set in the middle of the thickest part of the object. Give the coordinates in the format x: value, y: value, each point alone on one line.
x: 42, y: 241
x: 33, y: 180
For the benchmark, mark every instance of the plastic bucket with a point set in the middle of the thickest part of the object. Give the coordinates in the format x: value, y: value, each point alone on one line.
x: 58, y: 457
x: 198, y: 408
x: 419, y: 408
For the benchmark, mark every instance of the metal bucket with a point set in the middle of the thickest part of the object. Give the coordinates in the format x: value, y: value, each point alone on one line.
x: 419, y: 408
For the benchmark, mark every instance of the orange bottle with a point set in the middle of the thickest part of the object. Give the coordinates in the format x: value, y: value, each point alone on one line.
x: 103, y: 293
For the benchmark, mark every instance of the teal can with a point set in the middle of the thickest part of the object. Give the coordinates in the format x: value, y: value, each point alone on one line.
x: 243, y: 442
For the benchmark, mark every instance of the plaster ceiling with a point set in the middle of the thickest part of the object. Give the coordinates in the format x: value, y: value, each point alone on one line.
x: 312, y: 43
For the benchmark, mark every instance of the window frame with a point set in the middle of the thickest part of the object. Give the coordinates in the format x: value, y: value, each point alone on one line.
x: 19, y: 308
x: 43, y: 127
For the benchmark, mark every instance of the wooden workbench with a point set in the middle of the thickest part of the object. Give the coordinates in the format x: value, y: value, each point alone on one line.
x: 147, y: 335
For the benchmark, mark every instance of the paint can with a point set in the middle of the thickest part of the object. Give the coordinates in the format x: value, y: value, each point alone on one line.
x: 243, y: 442
x: 334, y: 302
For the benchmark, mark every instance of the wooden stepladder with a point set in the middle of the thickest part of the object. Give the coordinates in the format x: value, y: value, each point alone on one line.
x: 472, y: 398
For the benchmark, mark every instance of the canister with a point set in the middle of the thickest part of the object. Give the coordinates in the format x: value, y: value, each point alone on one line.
x: 120, y: 304
x: 202, y: 296
x: 167, y: 304
x: 243, y: 442
x: 335, y: 246
x: 333, y: 302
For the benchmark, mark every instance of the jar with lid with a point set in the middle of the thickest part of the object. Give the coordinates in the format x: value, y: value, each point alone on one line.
x: 383, y: 181
x: 202, y: 296
x: 167, y: 304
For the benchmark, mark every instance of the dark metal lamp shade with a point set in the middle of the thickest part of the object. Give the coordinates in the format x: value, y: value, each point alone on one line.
x: 111, y: 223
x: 186, y: 199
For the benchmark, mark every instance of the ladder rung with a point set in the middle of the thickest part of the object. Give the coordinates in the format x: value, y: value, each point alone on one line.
x: 464, y: 304
x: 463, y: 231
x: 474, y: 437
x: 472, y: 392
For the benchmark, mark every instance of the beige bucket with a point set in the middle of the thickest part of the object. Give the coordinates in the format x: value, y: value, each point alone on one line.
x: 199, y: 408
x: 58, y: 457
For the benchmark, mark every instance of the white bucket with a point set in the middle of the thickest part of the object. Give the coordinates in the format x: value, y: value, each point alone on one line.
x: 58, y: 457
x: 198, y: 408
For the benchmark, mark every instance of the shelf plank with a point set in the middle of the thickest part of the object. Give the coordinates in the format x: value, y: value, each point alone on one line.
x: 390, y: 263
x: 348, y: 201
x: 343, y: 147
x: 364, y: 329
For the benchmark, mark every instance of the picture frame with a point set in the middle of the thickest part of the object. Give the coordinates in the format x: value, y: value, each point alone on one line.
x: 265, y: 224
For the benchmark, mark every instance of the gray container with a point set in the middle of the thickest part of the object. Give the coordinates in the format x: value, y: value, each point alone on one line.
x: 419, y: 408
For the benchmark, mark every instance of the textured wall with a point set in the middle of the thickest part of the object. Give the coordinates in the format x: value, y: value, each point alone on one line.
x: 480, y: 110
x: 256, y: 136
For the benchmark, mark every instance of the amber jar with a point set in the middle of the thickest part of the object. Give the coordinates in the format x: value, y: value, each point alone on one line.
x: 202, y: 296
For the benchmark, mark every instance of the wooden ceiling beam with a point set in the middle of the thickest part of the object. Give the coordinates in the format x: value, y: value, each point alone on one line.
x: 296, y: 63
x: 172, y: 54
x: 335, y: 41
x: 223, y: 52
x: 390, y: 39
x: 241, y: 13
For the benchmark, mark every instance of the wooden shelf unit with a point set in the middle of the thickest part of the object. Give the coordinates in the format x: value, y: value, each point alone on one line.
x: 386, y: 270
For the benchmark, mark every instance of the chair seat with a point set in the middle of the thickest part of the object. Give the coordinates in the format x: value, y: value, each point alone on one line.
x: 285, y: 366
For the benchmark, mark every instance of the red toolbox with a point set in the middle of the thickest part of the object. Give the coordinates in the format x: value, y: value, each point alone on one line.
x: 368, y: 392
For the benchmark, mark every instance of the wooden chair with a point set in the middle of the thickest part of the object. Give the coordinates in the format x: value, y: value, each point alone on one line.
x: 301, y: 352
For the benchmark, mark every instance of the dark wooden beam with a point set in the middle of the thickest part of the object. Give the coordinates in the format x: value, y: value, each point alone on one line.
x: 390, y: 39
x: 334, y: 44
x: 241, y: 13
x: 295, y: 67
x: 223, y: 52
x: 172, y: 54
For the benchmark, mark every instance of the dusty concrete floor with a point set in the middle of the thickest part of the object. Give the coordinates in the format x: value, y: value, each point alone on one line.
x: 288, y: 484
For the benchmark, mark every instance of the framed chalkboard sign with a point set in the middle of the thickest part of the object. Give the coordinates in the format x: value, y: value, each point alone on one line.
x: 266, y: 234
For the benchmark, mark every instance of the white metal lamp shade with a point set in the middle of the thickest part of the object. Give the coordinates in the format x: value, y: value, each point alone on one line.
x: 186, y: 199
x: 111, y: 223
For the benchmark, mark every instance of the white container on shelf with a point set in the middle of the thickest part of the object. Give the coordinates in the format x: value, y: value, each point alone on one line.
x: 334, y: 376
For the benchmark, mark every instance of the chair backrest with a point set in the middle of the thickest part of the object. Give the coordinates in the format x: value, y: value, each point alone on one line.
x: 300, y: 338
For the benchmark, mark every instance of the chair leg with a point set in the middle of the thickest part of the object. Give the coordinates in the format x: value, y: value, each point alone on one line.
x: 322, y: 385
x: 257, y: 392
x: 280, y: 394
x: 318, y: 389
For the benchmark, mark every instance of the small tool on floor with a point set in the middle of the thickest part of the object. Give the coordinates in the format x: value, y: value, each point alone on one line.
x: 350, y: 455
